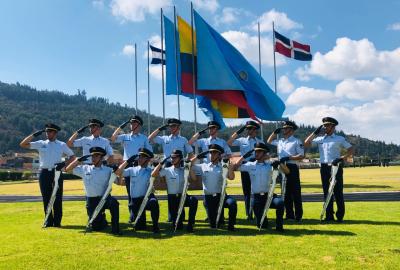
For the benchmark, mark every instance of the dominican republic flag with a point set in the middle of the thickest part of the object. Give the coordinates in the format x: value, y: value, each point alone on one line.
x: 291, y: 48
x: 156, y: 56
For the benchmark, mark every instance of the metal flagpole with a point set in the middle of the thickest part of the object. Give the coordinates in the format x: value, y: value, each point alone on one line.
x: 136, y: 95
x: 259, y: 71
x: 176, y: 66
x: 193, y: 69
x: 273, y: 48
x: 148, y: 87
x: 162, y: 65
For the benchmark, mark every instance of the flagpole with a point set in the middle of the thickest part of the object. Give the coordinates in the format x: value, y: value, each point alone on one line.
x: 273, y: 48
x: 148, y: 87
x: 136, y: 94
x: 162, y: 65
x: 259, y: 70
x: 193, y: 69
x: 176, y: 66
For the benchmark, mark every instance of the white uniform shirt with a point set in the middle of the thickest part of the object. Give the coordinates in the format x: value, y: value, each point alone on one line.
x: 139, y: 180
x: 88, y: 142
x: 211, y: 177
x: 289, y: 147
x: 50, y: 152
x: 246, y: 144
x: 205, y: 142
x: 172, y: 142
x: 175, y: 179
x: 329, y: 147
x: 95, y: 179
x: 132, y: 143
x: 260, y: 175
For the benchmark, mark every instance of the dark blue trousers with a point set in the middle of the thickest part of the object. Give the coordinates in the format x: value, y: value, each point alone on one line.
x: 337, y: 192
x: 46, y: 183
x: 212, y: 202
x: 152, y: 206
x: 173, y: 205
x: 258, y: 207
x: 246, y: 187
x: 100, y: 222
x: 293, y: 193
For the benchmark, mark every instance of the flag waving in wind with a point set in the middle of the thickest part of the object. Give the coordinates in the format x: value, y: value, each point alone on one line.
x: 291, y: 48
x: 157, y: 57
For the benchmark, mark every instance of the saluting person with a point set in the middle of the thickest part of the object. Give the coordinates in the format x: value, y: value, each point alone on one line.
x: 260, y: 175
x: 51, y: 152
x: 95, y: 178
x: 131, y: 142
x: 290, y: 151
x: 246, y: 144
x: 174, y: 176
x: 329, y: 146
x: 139, y: 183
x: 212, y: 179
x: 95, y: 140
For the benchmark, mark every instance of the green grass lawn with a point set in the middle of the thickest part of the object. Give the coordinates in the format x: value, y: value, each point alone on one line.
x: 369, y: 238
x: 355, y: 179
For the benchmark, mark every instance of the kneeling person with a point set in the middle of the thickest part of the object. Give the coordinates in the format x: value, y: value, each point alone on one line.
x: 260, y: 175
x: 174, y: 176
x: 95, y: 178
x: 139, y: 183
x: 212, y: 178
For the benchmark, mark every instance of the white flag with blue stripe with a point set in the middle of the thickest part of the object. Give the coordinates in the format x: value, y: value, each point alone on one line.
x: 157, y: 56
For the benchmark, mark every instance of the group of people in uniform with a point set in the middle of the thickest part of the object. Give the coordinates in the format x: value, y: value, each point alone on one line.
x: 255, y: 166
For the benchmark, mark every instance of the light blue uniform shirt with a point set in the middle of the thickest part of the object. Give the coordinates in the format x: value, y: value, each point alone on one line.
x: 211, y: 177
x: 132, y: 143
x: 95, y: 179
x: 50, y: 152
x: 88, y: 142
x: 260, y: 175
x: 175, y: 179
x: 289, y: 147
x: 139, y: 180
x: 205, y: 142
x: 246, y: 144
x: 171, y: 142
x: 329, y: 147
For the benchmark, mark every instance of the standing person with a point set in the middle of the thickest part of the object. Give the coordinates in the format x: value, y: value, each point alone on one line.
x: 213, y: 128
x: 95, y: 140
x: 51, y: 152
x: 212, y: 178
x: 329, y: 146
x: 260, y: 174
x: 96, y: 177
x: 290, y: 151
x: 171, y: 142
x: 246, y: 144
x: 139, y: 182
x: 131, y: 142
x: 174, y: 176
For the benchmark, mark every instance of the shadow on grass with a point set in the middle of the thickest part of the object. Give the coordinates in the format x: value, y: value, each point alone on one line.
x: 345, y: 222
x: 348, y: 186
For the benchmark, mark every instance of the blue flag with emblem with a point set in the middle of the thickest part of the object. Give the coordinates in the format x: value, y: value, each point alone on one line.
x: 221, y: 67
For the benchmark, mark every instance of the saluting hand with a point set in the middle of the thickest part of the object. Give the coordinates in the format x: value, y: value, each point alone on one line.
x: 318, y: 130
x: 132, y: 159
x: 164, y: 127
x: 82, y: 129
x: 248, y: 154
x: 164, y: 160
x: 84, y: 158
x: 124, y: 124
x: 277, y: 131
x: 202, y: 154
x: 240, y: 130
x: 38, y: 133
x: 201, y: 132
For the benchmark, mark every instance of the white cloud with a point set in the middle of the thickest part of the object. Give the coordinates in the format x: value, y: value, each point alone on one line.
x: 306, y: 96
x: 230, y: 15
x: 128, y: 50
x: 207, y: 5
x: 355, y: 58
x: 248, y: 46
x: 136, y: 10
x: 280, y: 19
x: 363, y: 90
x: 302, y: 74
x: 154, y: 40
x: 155, y: 72
x: 394, y: 26
x: 284, y: 84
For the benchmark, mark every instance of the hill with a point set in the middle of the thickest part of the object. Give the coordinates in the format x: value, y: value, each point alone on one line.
x: 24, y: 109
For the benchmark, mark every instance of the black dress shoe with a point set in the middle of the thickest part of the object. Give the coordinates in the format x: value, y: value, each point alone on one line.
x: 189, y: 228
x: 279, y: 228
x: 156, y: 229
x: 231, y: 228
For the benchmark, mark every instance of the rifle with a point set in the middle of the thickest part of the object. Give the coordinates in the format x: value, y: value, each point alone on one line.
x: 183, y: 197
x: 274, y: 175
x: 223, y: 191
x: 334, y: 170
x: 144, y: 202
x: 49, y: 208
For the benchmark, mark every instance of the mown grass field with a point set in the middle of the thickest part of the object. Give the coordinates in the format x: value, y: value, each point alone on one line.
x: 369, y: 238
x: 356, y: 179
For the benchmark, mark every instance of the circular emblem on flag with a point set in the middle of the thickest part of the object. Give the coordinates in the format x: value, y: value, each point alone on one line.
x: 243, y: 75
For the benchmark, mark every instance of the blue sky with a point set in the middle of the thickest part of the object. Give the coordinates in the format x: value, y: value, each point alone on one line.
x: 354, y: 77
